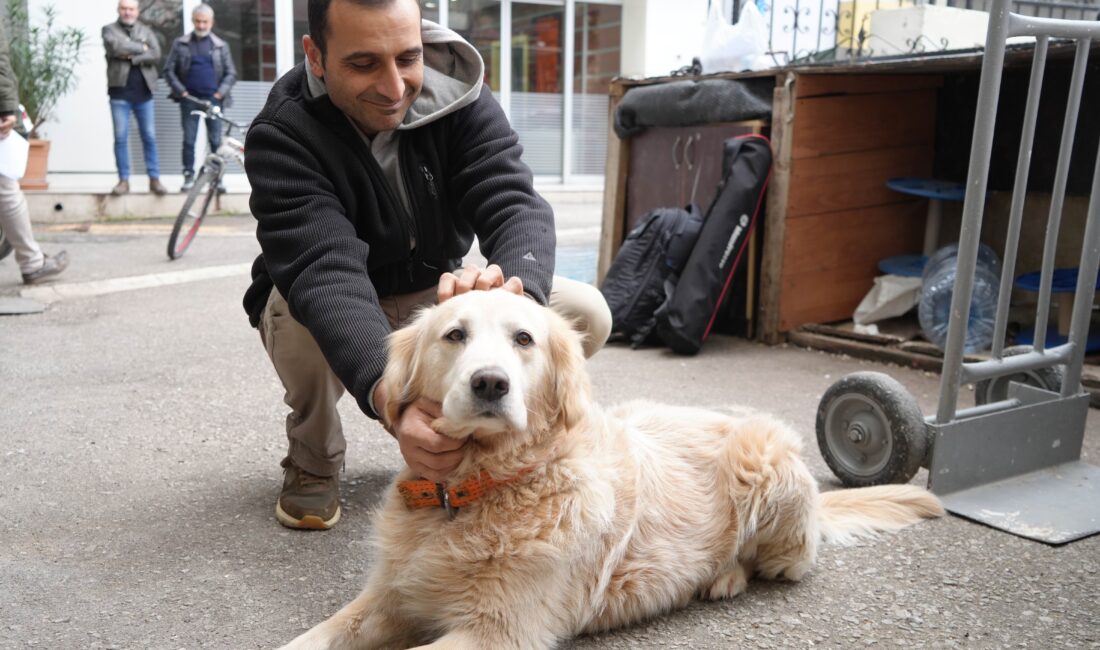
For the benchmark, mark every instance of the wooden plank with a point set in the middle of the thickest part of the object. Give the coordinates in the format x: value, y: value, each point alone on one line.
x: 846, y: 330
x: 861, y: 350
x: 816, y: 85
x: 843, y: 123
x: 853, y: 180
x: 831, y: 259
x: 775, y: 215
x: 614, y: 191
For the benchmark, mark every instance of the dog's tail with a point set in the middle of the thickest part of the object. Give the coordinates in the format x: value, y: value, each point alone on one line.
x: 845, y: 515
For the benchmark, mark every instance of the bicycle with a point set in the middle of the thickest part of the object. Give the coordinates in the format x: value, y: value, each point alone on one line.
x: 208, y: 181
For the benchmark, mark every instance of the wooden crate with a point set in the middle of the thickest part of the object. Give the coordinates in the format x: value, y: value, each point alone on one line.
x: 830, y: 218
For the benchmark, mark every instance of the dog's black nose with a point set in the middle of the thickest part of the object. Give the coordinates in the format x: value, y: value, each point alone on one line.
x: 490, y: 384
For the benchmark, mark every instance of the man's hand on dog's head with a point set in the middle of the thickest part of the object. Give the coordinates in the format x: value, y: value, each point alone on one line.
x: 429, y: 454
x: 475, y: 278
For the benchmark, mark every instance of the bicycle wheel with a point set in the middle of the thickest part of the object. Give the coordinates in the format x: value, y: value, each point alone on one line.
x: 192, y: 213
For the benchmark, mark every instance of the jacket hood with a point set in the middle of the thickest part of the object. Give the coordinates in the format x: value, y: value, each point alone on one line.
x: 453, y: 76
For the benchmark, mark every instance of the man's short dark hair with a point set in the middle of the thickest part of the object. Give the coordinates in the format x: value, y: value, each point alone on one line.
x: 318, y: 18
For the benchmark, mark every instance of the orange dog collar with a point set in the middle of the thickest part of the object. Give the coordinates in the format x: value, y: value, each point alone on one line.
x: 423, y: 493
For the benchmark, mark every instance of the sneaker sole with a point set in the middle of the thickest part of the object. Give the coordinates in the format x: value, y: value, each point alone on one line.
x: 309, y: 522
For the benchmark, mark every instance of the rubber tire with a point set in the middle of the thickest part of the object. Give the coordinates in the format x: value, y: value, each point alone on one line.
x: 881, y: 402
x: 988, y: 391
x: 188, y: 222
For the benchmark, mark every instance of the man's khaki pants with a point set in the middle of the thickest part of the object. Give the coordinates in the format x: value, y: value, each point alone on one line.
x: 312, y: 390
x: 15, y: 220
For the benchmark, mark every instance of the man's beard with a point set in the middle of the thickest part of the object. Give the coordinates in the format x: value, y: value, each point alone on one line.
x: 202, y: 33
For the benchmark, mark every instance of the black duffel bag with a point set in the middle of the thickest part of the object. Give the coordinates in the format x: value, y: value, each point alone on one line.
x: 689, y: 313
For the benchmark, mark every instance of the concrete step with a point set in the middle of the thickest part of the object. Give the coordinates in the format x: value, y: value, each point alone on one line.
x: 81, y: 206
x: 77, y: 207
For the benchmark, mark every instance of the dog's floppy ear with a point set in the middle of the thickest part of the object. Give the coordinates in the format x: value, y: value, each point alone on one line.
x: 568, y: 376
x: 398, y: 380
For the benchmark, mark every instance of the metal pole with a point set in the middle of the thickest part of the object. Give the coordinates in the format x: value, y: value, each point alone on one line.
x: 567, y: 130
x: 1058, y: 193
x: 973, y: 205
x: 1019, y: 195
x: 1086, y: 279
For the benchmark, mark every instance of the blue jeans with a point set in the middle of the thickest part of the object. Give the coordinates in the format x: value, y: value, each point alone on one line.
x: 120, y: 117
x: 190, y: 124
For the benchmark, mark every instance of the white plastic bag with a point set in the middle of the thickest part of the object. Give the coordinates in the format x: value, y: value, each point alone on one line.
x: 734, y: 48
x: 892, y: 295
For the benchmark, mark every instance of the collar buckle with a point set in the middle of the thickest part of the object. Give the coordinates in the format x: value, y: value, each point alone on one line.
x: 445, y: 500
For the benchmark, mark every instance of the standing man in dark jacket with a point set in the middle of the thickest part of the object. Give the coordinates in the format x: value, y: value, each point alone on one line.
x: 133, y: 53
x: 199, y: 67
x: 15, y: 217
x: 373, y: 166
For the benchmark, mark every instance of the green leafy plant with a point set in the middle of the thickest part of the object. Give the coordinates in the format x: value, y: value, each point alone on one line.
x: 44, y: 57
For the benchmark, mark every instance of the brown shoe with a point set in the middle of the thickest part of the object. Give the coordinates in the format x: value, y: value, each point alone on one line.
x: 53, y: 265
x: 123, y: 187
x: 156, y: 187
x: 307, y: 501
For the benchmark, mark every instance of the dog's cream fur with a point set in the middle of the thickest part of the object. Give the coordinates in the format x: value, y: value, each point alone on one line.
x: 624, y: 513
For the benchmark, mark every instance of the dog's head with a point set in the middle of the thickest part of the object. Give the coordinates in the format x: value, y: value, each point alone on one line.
x: 497, y: 362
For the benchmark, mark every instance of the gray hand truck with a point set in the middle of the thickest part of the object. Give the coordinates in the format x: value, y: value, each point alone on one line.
x: 1012, y: 462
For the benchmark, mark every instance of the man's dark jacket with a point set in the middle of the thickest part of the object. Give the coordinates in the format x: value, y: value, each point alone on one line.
x: 178, y: 64
x: 331, y: 230
x: 127, y: 47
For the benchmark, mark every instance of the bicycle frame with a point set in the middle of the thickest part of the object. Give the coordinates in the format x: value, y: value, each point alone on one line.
x: 208, y: 183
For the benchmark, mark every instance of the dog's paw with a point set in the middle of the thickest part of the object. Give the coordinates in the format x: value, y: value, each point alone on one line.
x: 729, y: 584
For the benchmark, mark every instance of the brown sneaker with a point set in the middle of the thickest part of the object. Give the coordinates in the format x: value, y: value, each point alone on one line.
x: 307, y: 501
x: 123, y: 187
x: 156, y: 187
x: 51, y: 266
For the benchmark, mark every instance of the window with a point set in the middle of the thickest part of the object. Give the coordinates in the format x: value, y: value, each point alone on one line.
x: 248, y: 26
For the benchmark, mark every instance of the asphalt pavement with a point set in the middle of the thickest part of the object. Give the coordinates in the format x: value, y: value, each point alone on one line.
x: 141, y: 427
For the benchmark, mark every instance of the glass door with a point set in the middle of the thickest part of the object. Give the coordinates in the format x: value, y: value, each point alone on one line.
x: 597, y: 52
x: 537, y: 84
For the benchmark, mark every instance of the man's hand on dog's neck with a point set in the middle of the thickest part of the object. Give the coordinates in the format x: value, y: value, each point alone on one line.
x: 429, y: 454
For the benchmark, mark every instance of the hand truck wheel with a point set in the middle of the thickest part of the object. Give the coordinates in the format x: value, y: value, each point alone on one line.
x: 871, y: 431
x: 988, y: 391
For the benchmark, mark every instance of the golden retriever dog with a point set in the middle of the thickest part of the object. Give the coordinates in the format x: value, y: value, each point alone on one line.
x: 563, y: 518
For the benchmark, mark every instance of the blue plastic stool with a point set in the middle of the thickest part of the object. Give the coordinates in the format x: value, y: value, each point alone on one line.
x: 936, y: 191
x: 1064, y: 281
x: 907, y: 266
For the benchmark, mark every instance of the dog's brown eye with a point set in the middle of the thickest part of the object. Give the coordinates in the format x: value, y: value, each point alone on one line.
x: 523, y: 339
x: 456, y: 335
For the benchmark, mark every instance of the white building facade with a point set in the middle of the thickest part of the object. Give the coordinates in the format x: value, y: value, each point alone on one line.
x: 553, y: 85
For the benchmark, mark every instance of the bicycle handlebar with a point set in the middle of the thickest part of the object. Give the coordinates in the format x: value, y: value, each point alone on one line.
x: 211, y: 111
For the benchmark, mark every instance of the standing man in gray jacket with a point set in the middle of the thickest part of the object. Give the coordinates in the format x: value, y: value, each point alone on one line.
x: 199, y: 67
x: 133, y: 54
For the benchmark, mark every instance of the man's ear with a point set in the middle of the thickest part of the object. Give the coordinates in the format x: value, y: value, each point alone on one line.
x: 314, y: 58
x: 398, y: 381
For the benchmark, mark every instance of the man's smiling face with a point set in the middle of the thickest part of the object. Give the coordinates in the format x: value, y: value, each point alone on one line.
x: 373, y: 65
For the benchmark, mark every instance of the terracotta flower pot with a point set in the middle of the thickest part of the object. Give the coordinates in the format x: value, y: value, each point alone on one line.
x: 35, y: 176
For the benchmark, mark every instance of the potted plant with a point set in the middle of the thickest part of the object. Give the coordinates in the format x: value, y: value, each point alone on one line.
x: 44, y: 57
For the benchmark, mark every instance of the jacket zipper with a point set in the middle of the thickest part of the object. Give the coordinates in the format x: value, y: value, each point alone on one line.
x: 410, y: 218
x: 431, y: 181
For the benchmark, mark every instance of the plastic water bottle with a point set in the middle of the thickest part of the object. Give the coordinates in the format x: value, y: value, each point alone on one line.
x: 938, y: 287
